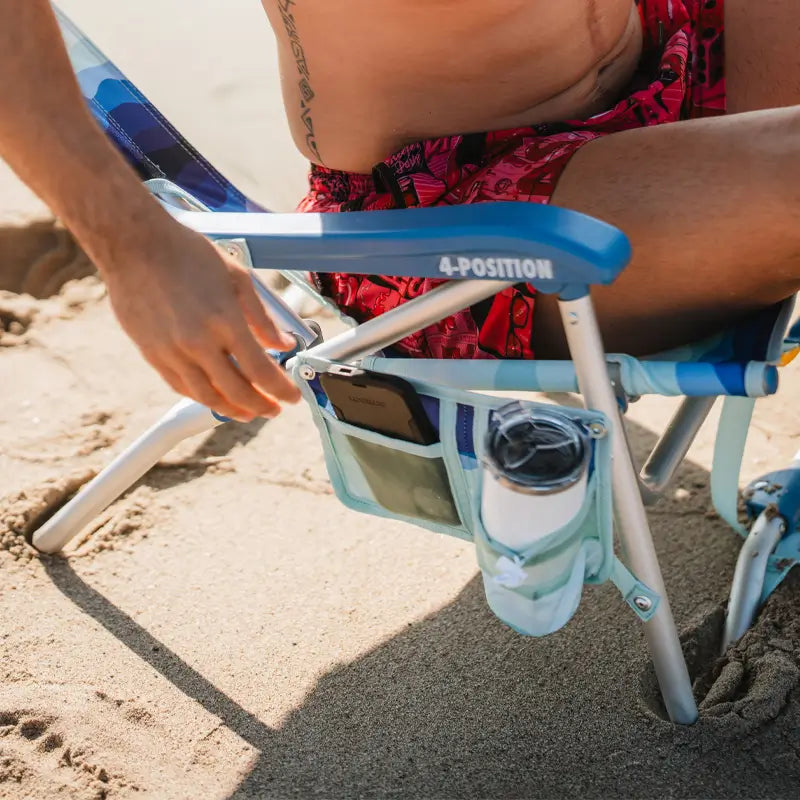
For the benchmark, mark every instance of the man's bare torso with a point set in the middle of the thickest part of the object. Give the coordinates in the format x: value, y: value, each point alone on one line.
x: 363, y: 78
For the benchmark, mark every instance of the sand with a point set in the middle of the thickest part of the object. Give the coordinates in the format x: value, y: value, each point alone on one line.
x: 228, y: 630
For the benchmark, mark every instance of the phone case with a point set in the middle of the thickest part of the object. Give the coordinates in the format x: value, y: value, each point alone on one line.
x: 380, y: 403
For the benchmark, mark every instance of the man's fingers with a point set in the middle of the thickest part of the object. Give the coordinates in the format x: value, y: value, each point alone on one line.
x: 258, y: 319
x: 203, y: 391
x: 172, y: 378
x: 236, y: 388
x: 261, y: 370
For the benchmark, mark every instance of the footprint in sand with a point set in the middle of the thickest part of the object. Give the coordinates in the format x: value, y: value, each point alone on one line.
x: 34, y: 757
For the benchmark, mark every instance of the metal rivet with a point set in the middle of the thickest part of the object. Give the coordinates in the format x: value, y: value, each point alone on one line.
x: 307, y: 373
x: 643, y: 603
x: 597, y: 430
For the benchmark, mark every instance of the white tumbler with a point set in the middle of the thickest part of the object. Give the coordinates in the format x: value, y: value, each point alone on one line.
x: 535, y: 474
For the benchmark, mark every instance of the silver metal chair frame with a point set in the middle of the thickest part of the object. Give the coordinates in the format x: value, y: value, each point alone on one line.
x: 188, y: 418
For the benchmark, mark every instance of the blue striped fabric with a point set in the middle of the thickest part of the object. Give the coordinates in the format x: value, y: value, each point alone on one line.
x: 465, y: 417
x: 152, y: 146
x: 635, y: 376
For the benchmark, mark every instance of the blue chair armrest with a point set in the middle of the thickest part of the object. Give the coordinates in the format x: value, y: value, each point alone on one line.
x: 555, y: 250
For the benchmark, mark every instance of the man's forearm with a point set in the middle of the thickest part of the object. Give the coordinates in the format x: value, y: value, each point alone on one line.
x: 188, y: 306
x: 49, y: 138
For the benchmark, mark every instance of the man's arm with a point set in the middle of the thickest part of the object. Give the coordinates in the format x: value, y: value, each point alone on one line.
x: 186, y: 305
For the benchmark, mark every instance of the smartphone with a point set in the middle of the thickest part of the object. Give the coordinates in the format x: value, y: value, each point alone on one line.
x: 381, y: 403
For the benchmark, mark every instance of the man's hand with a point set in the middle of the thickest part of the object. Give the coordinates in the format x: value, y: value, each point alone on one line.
x: 192, y: 309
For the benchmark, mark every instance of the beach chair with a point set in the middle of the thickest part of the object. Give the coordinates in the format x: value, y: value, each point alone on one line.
x: 555, y: 250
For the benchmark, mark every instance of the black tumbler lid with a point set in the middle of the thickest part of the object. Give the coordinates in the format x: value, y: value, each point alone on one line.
x: 536, y: 449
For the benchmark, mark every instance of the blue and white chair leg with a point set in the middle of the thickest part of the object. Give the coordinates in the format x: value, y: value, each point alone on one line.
x: 771, y: 547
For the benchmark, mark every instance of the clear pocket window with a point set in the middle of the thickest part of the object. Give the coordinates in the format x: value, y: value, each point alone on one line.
x: 406, y: 479
x: 406, y: 483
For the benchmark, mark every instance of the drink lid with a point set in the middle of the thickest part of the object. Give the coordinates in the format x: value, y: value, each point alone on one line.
x: 536, y: 449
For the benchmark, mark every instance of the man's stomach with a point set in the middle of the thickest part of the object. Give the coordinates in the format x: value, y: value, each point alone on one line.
x: 363, y: 78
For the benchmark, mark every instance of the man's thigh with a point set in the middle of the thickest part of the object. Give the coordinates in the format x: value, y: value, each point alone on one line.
x: 762, y: 53
x: 712, y: 209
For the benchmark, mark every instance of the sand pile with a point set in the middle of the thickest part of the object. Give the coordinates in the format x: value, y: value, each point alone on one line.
x: 38, y: 259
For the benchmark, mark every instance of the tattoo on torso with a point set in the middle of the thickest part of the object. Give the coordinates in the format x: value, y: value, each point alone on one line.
x: 306, y: 92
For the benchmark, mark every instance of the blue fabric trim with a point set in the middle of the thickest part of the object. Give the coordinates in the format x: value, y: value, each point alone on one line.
x: 465, y: 420
x: 630, y: 588
x: 430, y: 406
x: 781, y: 563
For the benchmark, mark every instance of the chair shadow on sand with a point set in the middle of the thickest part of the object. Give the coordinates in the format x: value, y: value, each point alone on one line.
x: 457, y: 705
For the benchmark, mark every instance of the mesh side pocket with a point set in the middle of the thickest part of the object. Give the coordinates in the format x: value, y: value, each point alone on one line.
x: 405, y: 483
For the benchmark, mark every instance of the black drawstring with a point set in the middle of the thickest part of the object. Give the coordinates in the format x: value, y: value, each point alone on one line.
x: 385, y: 181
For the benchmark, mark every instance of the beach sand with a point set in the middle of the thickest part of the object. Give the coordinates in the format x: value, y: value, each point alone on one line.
x: 228, y: 630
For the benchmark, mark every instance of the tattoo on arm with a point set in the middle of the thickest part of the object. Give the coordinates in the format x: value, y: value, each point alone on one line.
x: 306, y: 92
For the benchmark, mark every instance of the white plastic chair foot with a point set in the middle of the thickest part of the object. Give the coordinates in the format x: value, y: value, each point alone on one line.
x: 185, y: 419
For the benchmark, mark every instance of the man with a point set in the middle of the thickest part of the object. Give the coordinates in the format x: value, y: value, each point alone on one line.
x: 610, y: 107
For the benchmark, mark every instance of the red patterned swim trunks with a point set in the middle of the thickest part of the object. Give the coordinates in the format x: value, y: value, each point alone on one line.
x: 680, y: 76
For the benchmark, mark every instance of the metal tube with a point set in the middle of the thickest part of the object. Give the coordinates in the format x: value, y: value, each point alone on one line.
x: 283, y: 315
x: 184, y: 419
x: 673, y: 445
x: 380, y: 332
x: 748, y: 578
x: 583, y: 336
